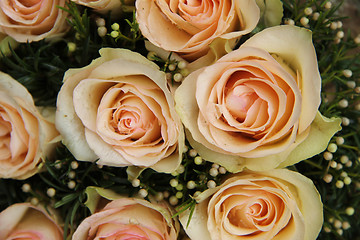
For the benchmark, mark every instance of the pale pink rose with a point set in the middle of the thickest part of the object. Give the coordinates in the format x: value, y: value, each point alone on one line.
x: 26, y: 221
x: 119, y: 110
x: 129, y: 218
x: 278, y: 204
x: 32, y: 20
x: 189, y: 27
x: 257, y: 107
x: 104, y: 6
x: 25, y: 136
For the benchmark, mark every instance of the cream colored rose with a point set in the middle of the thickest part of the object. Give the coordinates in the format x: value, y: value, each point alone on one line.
x: 257, y: 107
x: 32, y: 20
x: 189, y: 27
x: 119, y: 109
x: 25, y: 136
x: 26, y: 221
x: 129, y: 218
x: 278, y: 204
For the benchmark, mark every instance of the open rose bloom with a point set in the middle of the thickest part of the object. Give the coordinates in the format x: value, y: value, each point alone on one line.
x: 120, y: 110
x: 26, y: 221
x: 32, y: 20
x: 257, y: 107
x: 129, y: 218
x: 189, y: 27
x: 26, y: 138
x: 277, y: 204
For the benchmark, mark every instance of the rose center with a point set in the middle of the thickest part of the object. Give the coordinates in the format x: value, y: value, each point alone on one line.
x: 238, y: 100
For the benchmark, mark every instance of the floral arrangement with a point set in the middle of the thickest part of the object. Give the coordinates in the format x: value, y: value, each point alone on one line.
x: 229, y: 119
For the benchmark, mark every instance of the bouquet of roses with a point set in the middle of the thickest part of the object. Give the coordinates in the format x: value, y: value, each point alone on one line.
x: 152, y: 119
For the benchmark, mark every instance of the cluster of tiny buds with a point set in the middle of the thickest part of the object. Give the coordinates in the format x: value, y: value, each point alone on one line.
x: 101, y: 30
x: 338, y: 224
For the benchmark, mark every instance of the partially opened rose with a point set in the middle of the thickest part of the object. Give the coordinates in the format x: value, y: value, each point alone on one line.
x: 102, y: 6
x: 189, y: 27
x: 120, y: 110
x: 278, y: 204
x: 32, y: 20
x: 26, y: 221
x: 257, y: 107
x: 26, y: 138
x: 129, y: 218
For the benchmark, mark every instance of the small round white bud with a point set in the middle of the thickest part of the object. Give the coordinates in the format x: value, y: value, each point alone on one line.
x: 143, y: 193
x: 332, y: 147
x: 337, y: 223
x: 343, y: 103
x: 350, y: 211
x: 198, y: 160
x: 339, y: 166
x: 184, y: 72
x: 102, y: 31
x: 328, y: 5
x: 346, y: 225
x: 58, y: 164
x: 328, y: 156
x: 339, y: 231
x: 191, y: 184
x: 357, y: 107
x: 115, y: 26
x: 351, y: 84
x: 173, y: 200
x: 340, y: 140
x: 179, y: 195
x: 181, y: 169
x: 182, y: 64
x: 71, y: 184
x: 166, y: 194
x: 135, y: 182
x: 308, y: 11
x: 304, y: 21
x: 327, y: 229
x: 289, y: 21
x: 172, y: 67
x: 213, y: 172
x: 71, y: 174
x: 343, y: 174
x: 357, y: 40
x: 215, y: 165
x: 26, y: 188
x: 74, y: 165
x: 51, y: 192
x: 316, y: 16
x: 192, y: 153
x: 114, y: 34
x: 211, y: 184
x: 196, y: 194
x: 339, y: 24
x: 340, y: 34
x: 344, y: 159
x: 333, y: 25
x: 159, y: 196
x: 331, y: 220
x: 347, y: 73
x: 339, y: 184
x: 345, y: 121
x: 347, y: 180
x: 34, y: 201
x: 222, y: 170
x: 179, y: 187
x: 174, y: 182
x: 333, y: 164
x: 100, y: 22
x: 178, y: 77
x: 348, y: 164
x: 71, y: 46
x: 328, y: 178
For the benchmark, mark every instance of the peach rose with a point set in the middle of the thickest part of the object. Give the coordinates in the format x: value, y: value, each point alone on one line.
x: 102, y: 6
x: 129, y: 218
x: 257, y: 107
x: 277, y: 204
x: 25, y: 221
x: 32, y: 20
x: 119, y: 109
x: 25, y: 136
x: 189, y: 27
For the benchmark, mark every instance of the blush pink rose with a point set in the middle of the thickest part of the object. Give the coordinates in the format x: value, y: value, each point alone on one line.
x: 254, y: 106
x: 189, y: 27
x: 129, y: 218
x: 32, y: 20
x: 26, y: 138
x: 102, y: 6
x: 119, y: 110
x: 25, y: 221
x: 278, y: 204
